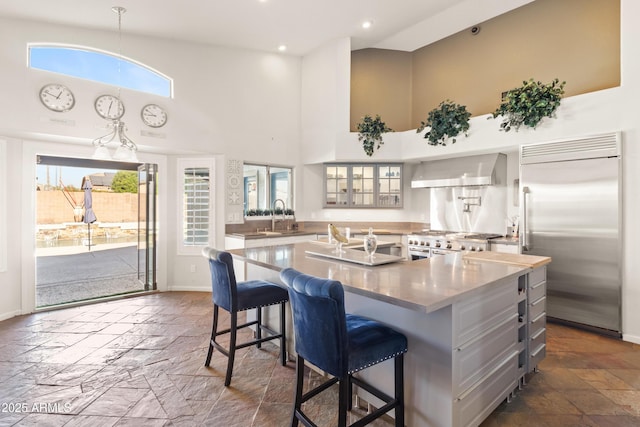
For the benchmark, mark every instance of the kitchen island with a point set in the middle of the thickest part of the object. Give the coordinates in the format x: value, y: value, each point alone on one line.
x: 464, y: 319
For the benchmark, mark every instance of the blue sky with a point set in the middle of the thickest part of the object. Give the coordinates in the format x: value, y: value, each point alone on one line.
x: 99, y: 67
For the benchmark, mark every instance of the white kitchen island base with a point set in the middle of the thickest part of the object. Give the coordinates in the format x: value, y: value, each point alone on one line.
x: 460, y: 317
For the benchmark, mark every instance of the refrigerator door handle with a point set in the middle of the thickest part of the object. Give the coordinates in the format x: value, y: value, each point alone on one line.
x: 525, y: 228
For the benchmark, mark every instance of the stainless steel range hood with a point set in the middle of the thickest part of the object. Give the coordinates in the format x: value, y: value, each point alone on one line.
x: 486, y: 169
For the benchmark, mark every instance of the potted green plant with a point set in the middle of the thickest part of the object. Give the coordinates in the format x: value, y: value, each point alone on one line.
x: 529, y: 104
x: 370, y: 132
x: 445, y: 121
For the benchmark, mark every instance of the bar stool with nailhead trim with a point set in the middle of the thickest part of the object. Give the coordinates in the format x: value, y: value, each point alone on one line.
x: 340, y: 344
x: 239, y: 296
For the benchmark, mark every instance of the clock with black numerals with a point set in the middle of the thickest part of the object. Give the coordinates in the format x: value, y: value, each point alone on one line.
x: 109, y: 107
x: 153, y: 115
x: 57, y: 97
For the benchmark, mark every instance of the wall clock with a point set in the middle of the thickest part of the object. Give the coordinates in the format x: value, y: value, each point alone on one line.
x: 57, y: 97
x: 109, y: 107
x: 153, y: 115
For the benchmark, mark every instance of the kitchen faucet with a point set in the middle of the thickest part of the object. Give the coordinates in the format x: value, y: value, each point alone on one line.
x: 273, y: 214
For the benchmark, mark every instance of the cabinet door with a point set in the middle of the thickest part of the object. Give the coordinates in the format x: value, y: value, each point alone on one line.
x: 337, y: 185
x: 362, y: 182
x: 362, y: 185
x: 390, y: 186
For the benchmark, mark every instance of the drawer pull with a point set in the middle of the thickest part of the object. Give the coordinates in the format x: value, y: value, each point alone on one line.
x: 537, y: 350
x: 537, y: 285
x: 537, y: 302
x: 537, y: 334
x: 540, y: 316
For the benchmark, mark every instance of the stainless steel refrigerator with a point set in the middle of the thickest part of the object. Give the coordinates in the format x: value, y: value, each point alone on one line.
x: 570, y: 210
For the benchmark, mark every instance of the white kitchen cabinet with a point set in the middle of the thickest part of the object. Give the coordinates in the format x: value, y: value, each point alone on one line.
x: 498, y: 338
x: 363, y: 185
x: 536, y: 317
x: 485, y: 352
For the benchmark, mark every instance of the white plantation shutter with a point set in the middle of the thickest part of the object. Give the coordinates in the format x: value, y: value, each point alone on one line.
x: 196, y: 208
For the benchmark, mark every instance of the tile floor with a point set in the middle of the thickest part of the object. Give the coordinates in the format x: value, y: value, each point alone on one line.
x: 139, y: 362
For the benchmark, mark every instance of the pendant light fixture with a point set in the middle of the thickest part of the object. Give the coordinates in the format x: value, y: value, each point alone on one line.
x: 126, y: 151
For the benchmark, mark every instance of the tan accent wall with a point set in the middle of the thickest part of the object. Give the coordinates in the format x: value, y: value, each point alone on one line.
x: 381, y: 84
x: 574, y: 40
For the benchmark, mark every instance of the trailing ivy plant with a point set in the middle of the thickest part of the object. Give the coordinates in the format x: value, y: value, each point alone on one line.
x: 444, y: 122
x: 529, y: 104
x: 370, y: 132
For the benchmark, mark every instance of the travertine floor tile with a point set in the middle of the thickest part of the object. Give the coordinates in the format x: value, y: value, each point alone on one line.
x: 140, y: 362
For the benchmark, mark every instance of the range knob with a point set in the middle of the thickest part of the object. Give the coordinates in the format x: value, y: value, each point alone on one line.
x: 437, y: 244
x: 462, y: 247
x: 427, y: 243
x: 422, y: 243
x: 472, y: 248
x: 448, y: 245
x: 479, y: 249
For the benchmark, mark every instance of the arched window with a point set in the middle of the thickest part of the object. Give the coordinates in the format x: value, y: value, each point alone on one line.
x: 101, y: 67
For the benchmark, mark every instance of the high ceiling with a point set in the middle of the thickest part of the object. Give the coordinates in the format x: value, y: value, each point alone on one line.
x: 301, y: 25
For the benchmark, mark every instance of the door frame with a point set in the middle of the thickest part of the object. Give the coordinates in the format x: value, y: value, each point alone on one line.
x: 30, y: 151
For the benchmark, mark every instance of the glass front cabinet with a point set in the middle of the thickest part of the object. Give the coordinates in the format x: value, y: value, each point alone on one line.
x: 363, y: 185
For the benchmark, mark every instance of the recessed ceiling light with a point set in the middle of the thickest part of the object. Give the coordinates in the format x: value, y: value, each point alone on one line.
x: 282, y: 48
x: 366, y: 24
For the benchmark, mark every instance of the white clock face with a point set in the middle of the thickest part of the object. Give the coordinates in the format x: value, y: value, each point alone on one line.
x: 153, y: 116
x: 109, y: 107
x: 57, y: 98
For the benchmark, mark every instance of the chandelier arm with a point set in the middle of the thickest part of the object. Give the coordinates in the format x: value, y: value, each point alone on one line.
x: 106, y: 138
x: 124, y: 139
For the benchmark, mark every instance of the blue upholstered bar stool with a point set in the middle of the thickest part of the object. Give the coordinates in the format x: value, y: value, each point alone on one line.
x: 239, y: 296
x: 340, y: 344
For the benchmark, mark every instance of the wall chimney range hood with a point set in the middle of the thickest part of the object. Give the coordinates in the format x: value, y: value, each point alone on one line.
x: 486, y: 169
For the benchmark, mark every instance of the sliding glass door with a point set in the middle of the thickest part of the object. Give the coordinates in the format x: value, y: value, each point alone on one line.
x: 147, y: 225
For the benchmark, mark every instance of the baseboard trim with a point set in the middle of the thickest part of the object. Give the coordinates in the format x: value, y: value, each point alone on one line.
x: 9, y: 315
x: 631, y: 338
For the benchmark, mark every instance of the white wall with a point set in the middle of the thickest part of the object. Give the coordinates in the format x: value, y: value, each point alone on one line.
x: 228, y: 102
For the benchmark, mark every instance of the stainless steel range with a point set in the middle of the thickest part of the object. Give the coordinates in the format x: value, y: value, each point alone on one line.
x: 432, y: 243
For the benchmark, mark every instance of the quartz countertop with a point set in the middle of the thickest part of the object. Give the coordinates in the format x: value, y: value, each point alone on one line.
x: 270, y: 234
x: 424, y: 285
